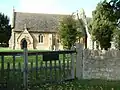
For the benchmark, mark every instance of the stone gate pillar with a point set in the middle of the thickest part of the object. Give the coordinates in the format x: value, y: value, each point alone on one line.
x: 79, y: 61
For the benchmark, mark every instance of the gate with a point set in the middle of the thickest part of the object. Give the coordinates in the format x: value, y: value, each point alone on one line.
x: 28, y: 69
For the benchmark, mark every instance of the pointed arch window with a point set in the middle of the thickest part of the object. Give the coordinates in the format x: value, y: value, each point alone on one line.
x: 41, y: 38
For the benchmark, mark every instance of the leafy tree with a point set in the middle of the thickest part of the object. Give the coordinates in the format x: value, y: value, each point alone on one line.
x: 103, y: 24
x: 68, y: 31
x: 90, y: 26
x: 5, y: 29
x: 115, y: 5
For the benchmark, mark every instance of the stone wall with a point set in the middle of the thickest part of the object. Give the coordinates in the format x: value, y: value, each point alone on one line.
x: 101, y: 64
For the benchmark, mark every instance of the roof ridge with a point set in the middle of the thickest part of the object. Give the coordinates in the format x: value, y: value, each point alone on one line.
x: 41, y: 13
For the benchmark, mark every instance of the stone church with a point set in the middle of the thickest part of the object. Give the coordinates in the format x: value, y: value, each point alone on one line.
x: 38, y: 29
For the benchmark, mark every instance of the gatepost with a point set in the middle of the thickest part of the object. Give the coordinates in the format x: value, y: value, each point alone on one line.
x: 79, y: 61
x: 25, y: 70
x: 73, y: 63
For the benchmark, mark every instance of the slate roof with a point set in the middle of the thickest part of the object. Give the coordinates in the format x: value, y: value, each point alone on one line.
x: 37, y: 21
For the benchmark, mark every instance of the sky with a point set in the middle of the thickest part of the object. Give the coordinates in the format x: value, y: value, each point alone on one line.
x: 48, y: 6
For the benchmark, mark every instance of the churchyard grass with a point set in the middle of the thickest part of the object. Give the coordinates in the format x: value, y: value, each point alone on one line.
x: 18, y: 58
x: 66, y: 85
x: 2, y: 49
x: 11, y: 50
x: 84, y: 85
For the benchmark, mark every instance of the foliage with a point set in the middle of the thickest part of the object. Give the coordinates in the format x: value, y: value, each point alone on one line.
x: 5, y: 29
x: 88, y: 23
x: 68, y: 31
x: 115, y: 4
x: 71, y: 30
x: 103, y: 24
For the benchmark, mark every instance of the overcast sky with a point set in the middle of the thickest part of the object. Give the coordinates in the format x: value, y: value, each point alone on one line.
x: 48, y: 6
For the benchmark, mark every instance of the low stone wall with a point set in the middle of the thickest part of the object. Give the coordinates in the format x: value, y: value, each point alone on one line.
x: 101, y: 64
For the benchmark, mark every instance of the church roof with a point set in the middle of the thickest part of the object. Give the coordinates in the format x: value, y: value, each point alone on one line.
x: 37, y: 21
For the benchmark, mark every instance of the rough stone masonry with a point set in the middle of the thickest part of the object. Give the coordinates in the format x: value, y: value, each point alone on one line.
x: 101, y: 65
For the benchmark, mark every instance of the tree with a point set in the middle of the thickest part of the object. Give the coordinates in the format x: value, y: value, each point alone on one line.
x: 115, y: 5
x: 68, y: 31
x: 103, y: 24
x: 89, y: 25
x: 5, y: 29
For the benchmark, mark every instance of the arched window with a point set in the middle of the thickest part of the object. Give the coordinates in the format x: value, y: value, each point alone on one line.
x: 40, y: 38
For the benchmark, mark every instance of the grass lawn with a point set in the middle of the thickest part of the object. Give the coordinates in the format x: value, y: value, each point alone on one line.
x: 86, y: 85
x: 6, y: 49
x: 73, y: 85
x: 19, y: 59
x: 11, y: 50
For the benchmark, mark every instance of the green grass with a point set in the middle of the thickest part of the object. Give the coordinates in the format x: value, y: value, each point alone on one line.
x: 31, y: 59
x: 86, y: 85
x: 6, y: 49
x: 11, y: 50
x: 67, y: 85
x: 19, y: 59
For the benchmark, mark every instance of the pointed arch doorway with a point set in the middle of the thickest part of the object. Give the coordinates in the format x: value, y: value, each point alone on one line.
x: 22, y: 43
